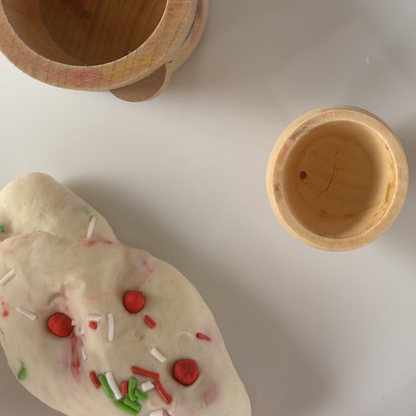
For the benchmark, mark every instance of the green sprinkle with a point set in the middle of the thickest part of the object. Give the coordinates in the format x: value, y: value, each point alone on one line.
x: 126, y: 408
x: 134, y: 405
x: 1, y: 229
x: 1, y: 332
x: 105, y: 385
x: 85, y: 208
x: 22, y: 374
x: 141, y: 396
x: 132, y: 387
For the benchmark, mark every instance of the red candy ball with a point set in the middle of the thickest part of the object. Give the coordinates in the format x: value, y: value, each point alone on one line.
x: 185, y: 372
x: 60, y: 324
x: 93, y: 325
x: 133, y: 301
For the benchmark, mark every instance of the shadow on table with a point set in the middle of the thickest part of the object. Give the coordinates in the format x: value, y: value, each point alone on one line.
x: 15, y: 400
x: 402, y: 233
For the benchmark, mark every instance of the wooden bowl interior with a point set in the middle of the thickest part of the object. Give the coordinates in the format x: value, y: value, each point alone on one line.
x: 86, y: 32
x: 339, y: 179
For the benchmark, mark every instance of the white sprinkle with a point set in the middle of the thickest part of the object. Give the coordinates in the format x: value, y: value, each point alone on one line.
x: 94, y: 318
x: 113, y: 385
x: 157, y: 413
x: 91, y: 227
x: 158, y: 355
x: 368, y: 61
x: 73, y: 323
x: 7, y: 277
x: 84, y: 353
x: 110, y: 318
x: 82, y: 332
x: 148, y: 385
x: 26, y: 313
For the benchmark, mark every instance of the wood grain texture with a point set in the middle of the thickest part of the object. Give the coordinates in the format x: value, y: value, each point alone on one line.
x: 337, y: 178
x: 145, y: 89
x: 99, y: 31
x: 101, y: 45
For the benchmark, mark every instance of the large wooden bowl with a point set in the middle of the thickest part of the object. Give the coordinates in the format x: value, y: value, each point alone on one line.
x: 337, y: 178
x: 128, y: 47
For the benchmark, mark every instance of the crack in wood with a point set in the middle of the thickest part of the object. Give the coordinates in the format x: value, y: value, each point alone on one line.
x: 333, y: 175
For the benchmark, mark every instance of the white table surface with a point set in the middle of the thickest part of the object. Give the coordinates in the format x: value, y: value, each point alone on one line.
x: 311, y: 333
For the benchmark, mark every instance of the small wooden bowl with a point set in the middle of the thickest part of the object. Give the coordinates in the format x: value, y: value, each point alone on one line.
x: 128, y: 47
x: 337, y: 178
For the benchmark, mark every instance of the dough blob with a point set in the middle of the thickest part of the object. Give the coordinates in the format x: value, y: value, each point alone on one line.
x: 49, y: 266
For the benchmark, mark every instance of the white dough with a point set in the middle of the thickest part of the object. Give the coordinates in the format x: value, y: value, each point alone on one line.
x: 58, y: 269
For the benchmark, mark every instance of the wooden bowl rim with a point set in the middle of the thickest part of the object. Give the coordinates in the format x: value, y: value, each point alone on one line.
x: 286, y: 142
x: 173, y: 28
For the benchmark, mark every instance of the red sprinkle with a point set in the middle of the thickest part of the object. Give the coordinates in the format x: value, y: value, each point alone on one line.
x: 60, y: 324
x: 133, y: 301
x: 124, y: 388
x: 303, y: 175
x: 95, y: 380
x: 185, y: 371
x: 162, y: 392
x: 149, y: 321
x: 93, y: 325
x: 202, y: 336
x: 145, y: 373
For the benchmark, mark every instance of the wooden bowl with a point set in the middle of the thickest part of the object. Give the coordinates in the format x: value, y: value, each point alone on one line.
x: 128, y: 47
x: 337, y: 178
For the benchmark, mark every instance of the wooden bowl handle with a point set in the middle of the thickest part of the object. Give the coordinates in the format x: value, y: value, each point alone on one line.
x: 145, y: 89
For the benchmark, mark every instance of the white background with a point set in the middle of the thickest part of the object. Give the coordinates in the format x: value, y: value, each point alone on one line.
x: 311, y: 333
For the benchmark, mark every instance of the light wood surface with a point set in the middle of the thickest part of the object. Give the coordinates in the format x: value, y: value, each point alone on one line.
x: 145, y: 89
x: 100, y: 31
x: 337, y: 178
x: 102, y: 45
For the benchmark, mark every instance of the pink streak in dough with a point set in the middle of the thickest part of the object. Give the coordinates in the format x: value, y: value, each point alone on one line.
x: 144, y: 264
x: 89, y: 242
x: 76, y: 345
x: 5, y: 305
x: 210, y: 394
x: 139, y: 335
